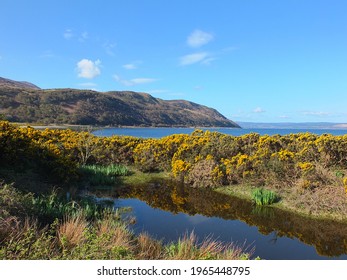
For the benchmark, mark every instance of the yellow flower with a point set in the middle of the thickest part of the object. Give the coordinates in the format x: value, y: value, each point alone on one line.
x: 305, y: 166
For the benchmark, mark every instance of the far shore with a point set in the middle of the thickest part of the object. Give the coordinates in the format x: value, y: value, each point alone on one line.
x: 95, y: 127
x: 243, y: 125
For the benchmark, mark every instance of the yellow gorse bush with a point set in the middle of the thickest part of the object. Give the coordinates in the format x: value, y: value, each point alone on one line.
x: 250, y: 158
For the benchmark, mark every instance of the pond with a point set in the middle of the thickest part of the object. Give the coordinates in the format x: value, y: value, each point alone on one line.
x: 167, y: 211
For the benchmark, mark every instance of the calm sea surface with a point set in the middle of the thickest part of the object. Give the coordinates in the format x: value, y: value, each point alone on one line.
x: 161, y: 132
x: 168, y: 211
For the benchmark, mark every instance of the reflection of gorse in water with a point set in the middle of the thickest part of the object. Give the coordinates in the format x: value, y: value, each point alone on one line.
x: 328, y: 237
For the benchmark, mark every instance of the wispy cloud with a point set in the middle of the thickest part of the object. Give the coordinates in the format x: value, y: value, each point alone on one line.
x: 84, y: 36
x: 198, y: 87
x: 142, y: 80
x: 47, y: 54
x: 315, y: 113
x: 130, y: 66
x: 133, y: 65
x: 200, y: 57
x: 68, y: 34
x: 109, y: 48
x: 258, y: 110
x: 133, y: 82
x: 199, y: 38
x: 88, y: 69
x: 158, y: 91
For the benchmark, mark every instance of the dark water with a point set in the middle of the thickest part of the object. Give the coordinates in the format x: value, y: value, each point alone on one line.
x: 161, y: 132
x: 167, y: 211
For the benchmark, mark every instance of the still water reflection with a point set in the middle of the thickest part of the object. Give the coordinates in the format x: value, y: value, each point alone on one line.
x: 167, y: 211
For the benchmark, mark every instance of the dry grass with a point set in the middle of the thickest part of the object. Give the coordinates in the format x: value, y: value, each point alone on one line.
x: 17, y: 229
x: 323, y: 200
x: 108, y: 238
x: 189, y: 248
x: 71, y: 232
x: 114, y: 234
x: 8, y: 226
x: 149, y: 248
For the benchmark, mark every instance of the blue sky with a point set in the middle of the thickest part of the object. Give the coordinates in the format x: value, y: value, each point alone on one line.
x: 263, y: 61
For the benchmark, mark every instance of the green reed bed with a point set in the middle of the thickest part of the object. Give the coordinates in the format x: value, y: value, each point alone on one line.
x: 99, y: 175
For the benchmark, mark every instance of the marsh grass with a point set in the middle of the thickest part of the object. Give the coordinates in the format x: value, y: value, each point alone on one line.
x: 54, y: 206
x: 98, y: 175
x: 51, y: 227
x: 77, y: 238
x: 264, y: 197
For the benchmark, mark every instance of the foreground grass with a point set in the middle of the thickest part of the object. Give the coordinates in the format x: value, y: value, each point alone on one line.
x: 76, y: 232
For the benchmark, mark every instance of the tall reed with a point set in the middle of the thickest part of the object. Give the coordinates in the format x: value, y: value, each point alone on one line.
x: 264, y: 197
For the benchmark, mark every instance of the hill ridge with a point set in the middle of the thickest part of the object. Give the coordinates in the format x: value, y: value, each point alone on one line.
x: 25, y: 102
x: 12, y: 83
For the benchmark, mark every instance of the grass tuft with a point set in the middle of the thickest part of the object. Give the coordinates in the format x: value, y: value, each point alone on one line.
x: 264, y: 197
x: 71, y: 233
x: 188, y: 248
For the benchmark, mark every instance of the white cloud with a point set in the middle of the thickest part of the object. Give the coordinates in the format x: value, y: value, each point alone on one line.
x: 133, y: 82
x: 88, y: 69
x: 130, y: 66
x: 258, y: 110
x: 199, y: 38
x: 202, y: 57
x: 313, y: 113
x: 68, y: 34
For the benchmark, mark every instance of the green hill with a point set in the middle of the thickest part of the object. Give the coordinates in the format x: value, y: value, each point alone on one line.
x: 25, y: 102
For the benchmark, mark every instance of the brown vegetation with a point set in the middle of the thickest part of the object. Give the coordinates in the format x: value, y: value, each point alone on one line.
x: 21, y: 102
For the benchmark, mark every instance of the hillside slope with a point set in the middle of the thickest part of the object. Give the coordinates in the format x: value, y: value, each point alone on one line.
x: 24, y: 102
x: 10, y: 83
